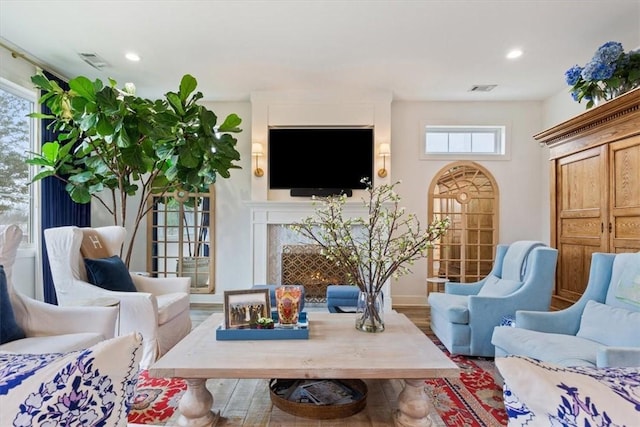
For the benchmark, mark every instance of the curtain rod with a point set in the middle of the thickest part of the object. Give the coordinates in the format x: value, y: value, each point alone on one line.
x: 19, y: 55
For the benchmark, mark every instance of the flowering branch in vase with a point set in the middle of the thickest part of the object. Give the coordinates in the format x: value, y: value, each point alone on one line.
x: 371, y: 249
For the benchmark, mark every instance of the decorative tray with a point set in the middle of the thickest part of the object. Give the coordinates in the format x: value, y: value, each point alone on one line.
x: 299, y: 332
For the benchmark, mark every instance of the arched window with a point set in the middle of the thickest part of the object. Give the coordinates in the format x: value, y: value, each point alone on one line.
x: 466, y: 193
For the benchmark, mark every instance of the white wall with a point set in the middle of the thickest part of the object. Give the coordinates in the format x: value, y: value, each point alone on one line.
x: 559, y: 108
x: 521, y: 180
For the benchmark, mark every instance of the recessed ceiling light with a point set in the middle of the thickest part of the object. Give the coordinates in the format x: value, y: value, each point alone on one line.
x: 132, y: 57
x: 515, y: 53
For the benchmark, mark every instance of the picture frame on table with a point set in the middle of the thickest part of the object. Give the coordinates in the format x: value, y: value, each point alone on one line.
x: 243, y: 308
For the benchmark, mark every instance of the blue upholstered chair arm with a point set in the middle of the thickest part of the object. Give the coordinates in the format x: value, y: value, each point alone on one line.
x: 618, y: 357
x: 557, y: 322
x: 567, y: 321
x: 491, y: 310
x: 463, y: 288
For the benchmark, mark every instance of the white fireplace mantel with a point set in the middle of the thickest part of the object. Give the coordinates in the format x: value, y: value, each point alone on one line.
x: 266, y: 213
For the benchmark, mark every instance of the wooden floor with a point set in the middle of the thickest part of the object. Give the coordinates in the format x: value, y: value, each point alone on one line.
x: 247, y: 402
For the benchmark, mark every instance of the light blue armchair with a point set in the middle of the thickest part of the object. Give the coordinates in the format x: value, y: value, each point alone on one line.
x: 600, y: 329
x: 464, y: 316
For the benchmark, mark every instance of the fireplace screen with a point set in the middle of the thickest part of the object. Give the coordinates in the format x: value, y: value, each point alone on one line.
x: 304, y: 265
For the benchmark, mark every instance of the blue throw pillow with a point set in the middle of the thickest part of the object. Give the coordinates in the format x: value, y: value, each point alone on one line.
x: 9, y: 328
x: 109, y: 273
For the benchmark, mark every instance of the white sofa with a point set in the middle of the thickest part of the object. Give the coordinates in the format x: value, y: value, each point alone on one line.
x: 49, y: 328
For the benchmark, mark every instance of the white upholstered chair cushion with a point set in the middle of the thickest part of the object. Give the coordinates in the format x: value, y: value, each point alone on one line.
x: 50, y: 328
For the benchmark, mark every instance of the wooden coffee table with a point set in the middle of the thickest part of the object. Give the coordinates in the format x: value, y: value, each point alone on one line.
x: 335, y: 349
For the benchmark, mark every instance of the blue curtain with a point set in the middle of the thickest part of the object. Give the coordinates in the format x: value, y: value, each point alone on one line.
x: 56, y: 206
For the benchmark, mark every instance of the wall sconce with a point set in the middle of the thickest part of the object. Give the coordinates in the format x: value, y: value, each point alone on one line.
x: 384, y: 151
x: 256, y: 151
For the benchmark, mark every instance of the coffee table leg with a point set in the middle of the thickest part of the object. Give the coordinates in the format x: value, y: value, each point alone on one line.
x: 195, y: 405
x: 414, y: 405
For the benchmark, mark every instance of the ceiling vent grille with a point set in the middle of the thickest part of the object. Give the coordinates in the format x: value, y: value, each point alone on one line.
x: 94, y: 60
x: 482, y: 88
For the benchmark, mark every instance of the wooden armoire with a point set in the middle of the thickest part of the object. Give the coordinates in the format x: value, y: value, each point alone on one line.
x: 595, y: 189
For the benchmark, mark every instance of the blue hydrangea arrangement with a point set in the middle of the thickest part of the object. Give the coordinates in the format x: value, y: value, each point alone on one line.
x: 608, y: 74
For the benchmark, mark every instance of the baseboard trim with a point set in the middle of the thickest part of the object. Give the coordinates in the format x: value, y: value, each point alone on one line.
x: 206, y: 305
x: 409, y: 300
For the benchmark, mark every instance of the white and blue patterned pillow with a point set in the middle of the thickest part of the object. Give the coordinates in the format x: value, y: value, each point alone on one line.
x: 90, y: 387
x: 544, y: 394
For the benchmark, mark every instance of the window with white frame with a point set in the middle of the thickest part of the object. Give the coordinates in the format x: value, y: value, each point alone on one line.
x: 17, y: 138
x: 464, y: 141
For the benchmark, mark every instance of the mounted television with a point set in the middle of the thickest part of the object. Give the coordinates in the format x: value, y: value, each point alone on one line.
x: 320, y: 161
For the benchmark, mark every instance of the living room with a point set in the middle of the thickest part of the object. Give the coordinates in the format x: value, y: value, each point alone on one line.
x: 413, y: 84
x: 522, y: 178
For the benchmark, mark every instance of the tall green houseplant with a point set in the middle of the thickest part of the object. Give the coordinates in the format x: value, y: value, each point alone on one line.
x: 113, y: 145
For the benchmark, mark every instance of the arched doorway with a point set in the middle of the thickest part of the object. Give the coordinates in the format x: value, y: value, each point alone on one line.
x: 466, y: 193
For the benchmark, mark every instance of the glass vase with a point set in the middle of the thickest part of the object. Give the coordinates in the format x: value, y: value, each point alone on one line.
x: 369, y: 312
x: 610, y: 93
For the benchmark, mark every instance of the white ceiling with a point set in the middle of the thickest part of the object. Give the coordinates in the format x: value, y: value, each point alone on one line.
x: 417, y: 50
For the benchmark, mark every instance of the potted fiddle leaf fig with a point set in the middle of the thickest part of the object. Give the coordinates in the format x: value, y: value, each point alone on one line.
x: 113, y: 145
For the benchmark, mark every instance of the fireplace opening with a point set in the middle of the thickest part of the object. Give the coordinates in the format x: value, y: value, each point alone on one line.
x: 305, y: 265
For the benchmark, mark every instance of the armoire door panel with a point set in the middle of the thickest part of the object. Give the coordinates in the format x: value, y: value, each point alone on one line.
x: 627, y: 227
x: 580, y: 181
x: 574, y: 269
x: 581, y: 227
x: 623, y: 250
x: 582, y: 192
x: 625, y: 196
x: 625, y: 173
x: 581, y: 211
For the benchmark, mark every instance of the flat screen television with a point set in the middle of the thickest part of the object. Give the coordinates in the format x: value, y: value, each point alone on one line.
x: 320, y: 161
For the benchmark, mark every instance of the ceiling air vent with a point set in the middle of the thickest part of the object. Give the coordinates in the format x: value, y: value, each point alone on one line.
x: 482, y: 88
x: 94, y: 60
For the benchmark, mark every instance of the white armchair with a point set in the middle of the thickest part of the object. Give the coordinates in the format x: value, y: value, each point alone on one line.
x: 49, y: 328
x: 159, y: 310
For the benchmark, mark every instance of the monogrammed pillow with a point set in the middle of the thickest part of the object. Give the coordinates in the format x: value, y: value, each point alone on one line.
x: 92, y: 245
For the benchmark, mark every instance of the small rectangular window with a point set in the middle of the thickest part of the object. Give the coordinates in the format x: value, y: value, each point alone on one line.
x: 468, y: 141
